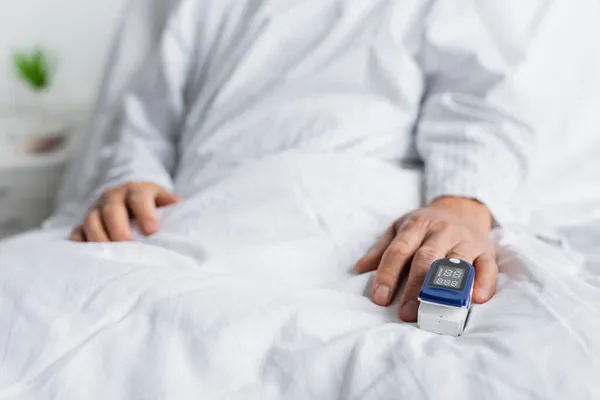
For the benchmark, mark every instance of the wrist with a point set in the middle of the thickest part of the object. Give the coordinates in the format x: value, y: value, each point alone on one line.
x: 469, y: 210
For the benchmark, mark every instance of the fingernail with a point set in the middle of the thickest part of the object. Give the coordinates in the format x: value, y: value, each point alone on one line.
x: 150, y: 226
x: 409, y: 310
x: 381, y: 295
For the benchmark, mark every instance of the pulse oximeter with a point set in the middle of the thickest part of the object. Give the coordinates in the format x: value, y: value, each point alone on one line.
x: 445, y: 297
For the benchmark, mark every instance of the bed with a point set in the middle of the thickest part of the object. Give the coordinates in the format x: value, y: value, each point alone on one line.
x: 281, y: 315
x: 247, y: 292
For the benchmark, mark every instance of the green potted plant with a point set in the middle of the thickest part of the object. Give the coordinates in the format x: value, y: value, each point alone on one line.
x: 34, y: 69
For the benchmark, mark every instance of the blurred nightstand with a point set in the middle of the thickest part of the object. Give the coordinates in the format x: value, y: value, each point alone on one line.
x: 33, y: 156
x: 27, y: 195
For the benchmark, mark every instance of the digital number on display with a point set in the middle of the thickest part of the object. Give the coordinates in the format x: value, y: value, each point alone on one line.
x: 446, y: 282
x: 450, y: 277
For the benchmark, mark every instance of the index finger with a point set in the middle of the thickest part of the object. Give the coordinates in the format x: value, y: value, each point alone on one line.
x: 394, y: 260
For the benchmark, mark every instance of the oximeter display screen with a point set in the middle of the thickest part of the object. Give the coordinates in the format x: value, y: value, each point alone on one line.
x: 449, y: 277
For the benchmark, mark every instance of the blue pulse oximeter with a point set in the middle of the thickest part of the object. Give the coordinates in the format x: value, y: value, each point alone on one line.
x: 445, y: 297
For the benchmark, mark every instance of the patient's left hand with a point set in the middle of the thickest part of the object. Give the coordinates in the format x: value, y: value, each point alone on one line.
x: 448, y: 227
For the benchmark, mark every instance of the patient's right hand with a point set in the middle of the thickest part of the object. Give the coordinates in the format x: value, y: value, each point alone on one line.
x: 109, y: 219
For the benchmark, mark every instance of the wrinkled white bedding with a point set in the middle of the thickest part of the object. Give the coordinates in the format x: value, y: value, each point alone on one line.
x: 248, y: 293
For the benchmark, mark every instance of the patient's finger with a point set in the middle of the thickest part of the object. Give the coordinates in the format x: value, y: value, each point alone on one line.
x: 77, y: 235
x: 486, y: 275
x: 116, y: 220
x: 394, y: 260
x: 371, y: 260
x: 165, y: 198
x: 93, y: 227
x: 142, y: 204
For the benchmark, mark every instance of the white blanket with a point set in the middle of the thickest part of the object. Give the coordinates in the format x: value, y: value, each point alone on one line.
x: 248, y: 293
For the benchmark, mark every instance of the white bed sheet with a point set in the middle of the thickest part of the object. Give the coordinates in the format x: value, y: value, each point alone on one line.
x: 248, y: 293
x: 585, y: 239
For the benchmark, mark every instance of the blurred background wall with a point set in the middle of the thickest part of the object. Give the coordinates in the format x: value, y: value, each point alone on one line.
x: 76, y: 32
x: 76, y: 35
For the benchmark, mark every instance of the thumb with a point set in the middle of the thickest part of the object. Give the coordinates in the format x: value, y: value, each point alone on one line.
x: 165, y: 198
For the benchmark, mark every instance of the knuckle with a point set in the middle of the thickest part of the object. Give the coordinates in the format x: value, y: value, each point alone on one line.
x: 400, y: 247
x: 418, y: 220
x: 387, y: 276
x: 443, y: 226
x: 107, y: 208
x: 418, y: 223
x: 135, y: 198
x: 426, y: 255
x: 144, y: 186
x: 104, y: 198
x: 402, y: 223
x: 108, y: 196
x: 110, y: 208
